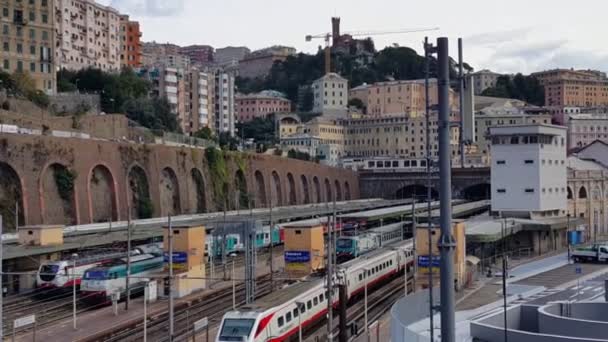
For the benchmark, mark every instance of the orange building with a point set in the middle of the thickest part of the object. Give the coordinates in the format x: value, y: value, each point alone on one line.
x: 130, y: 44
x: 574, y: 88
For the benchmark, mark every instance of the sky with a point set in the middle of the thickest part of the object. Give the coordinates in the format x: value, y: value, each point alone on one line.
x: 504, y: 36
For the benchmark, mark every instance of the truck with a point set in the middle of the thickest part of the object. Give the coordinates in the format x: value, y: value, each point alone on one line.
x: 593, y: 253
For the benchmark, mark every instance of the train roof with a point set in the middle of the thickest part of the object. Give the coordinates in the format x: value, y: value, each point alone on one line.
x: 285, y: 294
x: 376, y: 253
x: 387, y: 227
x: 376, y: 214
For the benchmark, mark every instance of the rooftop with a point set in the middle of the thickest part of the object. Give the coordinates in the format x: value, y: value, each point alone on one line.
x: 528, y: 129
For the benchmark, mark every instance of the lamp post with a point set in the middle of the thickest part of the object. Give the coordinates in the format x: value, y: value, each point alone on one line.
x: 74, y: 256
x: 300, y: 311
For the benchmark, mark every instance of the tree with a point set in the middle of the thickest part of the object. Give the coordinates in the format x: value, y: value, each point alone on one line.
x: 259, y: 129
x: 152, y: 113
x: 204, y: 133
x: 228, y: 142
x: 357, y: 103
x: 525, y: 88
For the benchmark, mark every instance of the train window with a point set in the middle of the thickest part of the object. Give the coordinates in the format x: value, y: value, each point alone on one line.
x: 395, y: 163
x: 288, y: 317
x: 360, y: 277
x: 315, y: 301
x: 370, y: 164
x: 281, y: 321
x: 321, y: 298
x: 309, y: 304
x: 414, y: 163
x: 379, y: 164
x: 303, y: 309
x: 266, y: 235
x: 295, y: 313
x: 406, y: 163
x: 369, y: 273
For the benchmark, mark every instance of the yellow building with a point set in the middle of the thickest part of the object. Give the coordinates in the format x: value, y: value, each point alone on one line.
x: 188, y: 257
x: 304, y: 249
x: 28, y: 41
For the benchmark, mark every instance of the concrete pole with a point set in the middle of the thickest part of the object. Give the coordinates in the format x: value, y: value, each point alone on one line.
x: 446, y: 243
x: 427, y: 51
x: 461, y: 93
x: 171, y: 314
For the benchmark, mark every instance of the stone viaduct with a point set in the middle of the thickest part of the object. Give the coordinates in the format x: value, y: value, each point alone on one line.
x: 51, y: 180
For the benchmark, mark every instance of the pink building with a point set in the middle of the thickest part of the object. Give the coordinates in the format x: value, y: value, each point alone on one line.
x: 250, y: 106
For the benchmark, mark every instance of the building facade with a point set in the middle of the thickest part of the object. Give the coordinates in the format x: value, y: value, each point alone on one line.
x: 130, y: 49
x: 88, y: 35
x: 574, y: 88
x: 259, y: 62
x: 585, y: 128
x: 483, y: 123
x: 483, y: 80
x: 28, y: 41
x: 251, y: 106
x: 230, y: 55
x: 223, y: 109
x: 200, y: 86
x: 528, y: 172
x: 164, y: 55
x: 198, y: 54
x: 330, y: 94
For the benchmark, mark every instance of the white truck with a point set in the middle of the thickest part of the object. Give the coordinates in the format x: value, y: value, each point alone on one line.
x: 593, y: 253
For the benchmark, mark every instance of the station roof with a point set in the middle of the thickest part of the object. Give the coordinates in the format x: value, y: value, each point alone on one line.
x: 382, y: 213
x: 463, y: 209
x: 488, y: 229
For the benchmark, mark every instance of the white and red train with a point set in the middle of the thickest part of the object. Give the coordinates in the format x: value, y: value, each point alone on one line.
x: 277, y: 317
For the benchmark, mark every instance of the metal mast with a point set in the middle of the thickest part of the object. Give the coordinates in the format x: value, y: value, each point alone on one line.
x: 461, y: 93
x: 428, y: 49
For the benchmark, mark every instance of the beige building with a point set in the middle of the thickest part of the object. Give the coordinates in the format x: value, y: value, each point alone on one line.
x: 398, y: 97
x: 28, y: 40
x: 330, y: 94
x: 88, y: 35
x: 574, y: 88
x: 259, y: 62
x: 483, y: 80
x: 583, y: 129
x: 163, y: 55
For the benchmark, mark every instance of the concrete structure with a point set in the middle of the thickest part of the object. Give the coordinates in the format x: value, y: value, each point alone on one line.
x: 251, y: 106
x: 330, y: 95
x: 41, y: 235
x: 304, y: 249
x: 28, y: 41
x: 259, y: 62
x: 223, y: 110
x: 105, y: 178
x: 529, y: 170
x: 484, y: 79
x: 578, y: 88
x: 554, y: 322
x: 199, y: 54
x: 188, y: 257
x: 87, y: 35
x: 398, y: 97
x: 130, y: 39
x: 230, y: 55
x: 596, y: 151
x: 163, y: 55
x: 583, y: 129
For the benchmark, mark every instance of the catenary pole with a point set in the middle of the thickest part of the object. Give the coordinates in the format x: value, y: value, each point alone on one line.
x: 461, y: 93
x: 446, y: 243
x: 171, y: 313
x: 427, y: 52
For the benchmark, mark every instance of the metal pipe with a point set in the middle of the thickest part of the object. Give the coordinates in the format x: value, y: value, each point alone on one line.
x: 427, y: 52
x: 461, y: 93
x: 446, y: 243
x: 171, y: 313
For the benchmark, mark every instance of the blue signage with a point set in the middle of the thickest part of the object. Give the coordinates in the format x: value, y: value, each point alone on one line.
x: 423, y: 261
x: 578, y: 270
x: 178, y: 257
x: 297, y: 256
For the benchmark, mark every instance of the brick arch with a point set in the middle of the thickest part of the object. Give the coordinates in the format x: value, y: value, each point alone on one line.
x: 328, y: 192
x: 317, y: 188
x: 169, y: 192
x: 305, y: 189
x: 347, y: 195
x: 276, y: 192
x: 12, y: 195
x: 241, y: 195
x: 291, y: 190
x: 57, y: 206
x: 102, y: 194
x: 260, y: 189
x: 338, y: 190
x: 139, y: 202
x: 197, y: 193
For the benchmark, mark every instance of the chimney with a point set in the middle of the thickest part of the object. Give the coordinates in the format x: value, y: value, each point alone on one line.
x: 335, y: 30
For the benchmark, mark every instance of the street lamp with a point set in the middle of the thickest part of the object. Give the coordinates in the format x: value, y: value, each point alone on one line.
x: 300, y: 312
x: 74, y: 256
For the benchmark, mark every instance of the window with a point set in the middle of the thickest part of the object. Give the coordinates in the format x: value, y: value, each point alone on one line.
x: 528, y: 190
x: 296, y: 313
x: 501, y: 191
x: 32, y: 16
x: 529, y: 161
x: 19, y: 48
x: 45, y: 35
x: 45, y: 18
x: 32, y: 67
x: 315, y: 301
x: 321, y: 298
x: 5, y: 30
x: 309, y: 305
x: 5, y: 12
x: 5, y: 46
x: 6, y: 64
x: 288, y: 317
x: 281, y: 321
x: 501, y: 162
x: 19, y: 66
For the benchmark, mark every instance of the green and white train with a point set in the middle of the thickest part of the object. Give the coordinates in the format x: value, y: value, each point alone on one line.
x: 99, y: 283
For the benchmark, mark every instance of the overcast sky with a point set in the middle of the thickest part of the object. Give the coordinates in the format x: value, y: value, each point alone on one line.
x: 505, y: 36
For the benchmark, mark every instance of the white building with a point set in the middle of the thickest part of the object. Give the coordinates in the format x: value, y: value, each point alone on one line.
x: 330, y: 95
x: 529, y: 170
x: 583, y: 129
x: 223, y: 110
x: 302, y: 143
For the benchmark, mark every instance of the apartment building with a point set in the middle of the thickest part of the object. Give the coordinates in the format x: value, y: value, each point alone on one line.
x: 483, y: 80
x: 330, y: 94
x: 198, y: 54
x: 200, y: 108
x: 230, y: 55
x: 223, y: 109
x: 130, y: 48
x: 398, y: 97
x: 251, y: 106
x: 574, y: 88
x: 585, y: 128
x: 164, y: 55
x: 87, y: 35
x: 28, y: 38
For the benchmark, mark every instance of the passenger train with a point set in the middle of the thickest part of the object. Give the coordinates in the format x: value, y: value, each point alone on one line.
x: 277, y: 318
x: 348, y: 247
x: 99, y: 283
x: 62, y: 274
x: 385, y: 164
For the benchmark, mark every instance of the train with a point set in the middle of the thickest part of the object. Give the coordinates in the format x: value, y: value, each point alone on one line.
x: 278, y: 317
x: 100, y: 282
x: 62, y: 274
x: 348, y: 247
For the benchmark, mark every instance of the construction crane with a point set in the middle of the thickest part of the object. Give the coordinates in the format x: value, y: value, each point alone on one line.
x: 328, y: 36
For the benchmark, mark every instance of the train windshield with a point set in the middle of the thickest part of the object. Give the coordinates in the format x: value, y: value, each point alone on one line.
x: 96, y: 275
x: 344, y: 243
x: 48, y: 272
x: 236, y: 329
